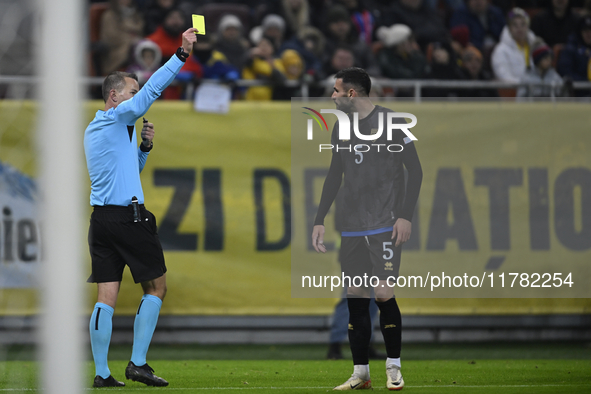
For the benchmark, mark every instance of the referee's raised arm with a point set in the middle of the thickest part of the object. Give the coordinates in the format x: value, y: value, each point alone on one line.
x: 131, y: 110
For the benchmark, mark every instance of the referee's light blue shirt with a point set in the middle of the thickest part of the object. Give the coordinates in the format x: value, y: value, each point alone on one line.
x: 113, y: 158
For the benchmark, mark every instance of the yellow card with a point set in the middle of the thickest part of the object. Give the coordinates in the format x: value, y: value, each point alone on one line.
x: 199, y: 23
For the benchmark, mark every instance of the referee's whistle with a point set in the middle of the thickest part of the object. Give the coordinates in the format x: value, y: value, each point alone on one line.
x: 145, y: 121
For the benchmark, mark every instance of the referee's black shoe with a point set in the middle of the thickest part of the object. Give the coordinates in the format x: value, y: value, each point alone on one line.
x: 144, y: 374
x: 108, y: 382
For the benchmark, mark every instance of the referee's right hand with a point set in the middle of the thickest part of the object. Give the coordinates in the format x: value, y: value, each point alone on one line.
x: 318, y: 238
x: 189, y: 37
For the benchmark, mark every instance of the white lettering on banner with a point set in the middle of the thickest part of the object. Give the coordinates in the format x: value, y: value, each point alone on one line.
x: 19, y: 231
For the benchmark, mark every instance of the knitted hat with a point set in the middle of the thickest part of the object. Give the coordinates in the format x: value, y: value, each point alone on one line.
x: 461, y: 34
x: 393, y: 35
x: 540, y: 53
x: 290, y: 57
x: 273, y: 20
x: 517, y: 13
x: 227, y: 21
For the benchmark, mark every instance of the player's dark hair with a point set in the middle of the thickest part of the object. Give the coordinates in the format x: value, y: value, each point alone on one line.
x: 357, y: 78
x: 115, y: 80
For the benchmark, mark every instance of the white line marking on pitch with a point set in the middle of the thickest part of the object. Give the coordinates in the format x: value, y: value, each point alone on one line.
x: 318, y: 387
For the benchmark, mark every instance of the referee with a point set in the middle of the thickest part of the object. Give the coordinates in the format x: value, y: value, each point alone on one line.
x: 376, y: 216
x: 122, y: 232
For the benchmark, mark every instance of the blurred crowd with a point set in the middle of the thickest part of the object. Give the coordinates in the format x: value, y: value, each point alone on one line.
x: 543, y: 44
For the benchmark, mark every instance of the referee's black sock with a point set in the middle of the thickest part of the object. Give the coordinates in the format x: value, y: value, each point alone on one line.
x: 391, y: 326
x: 359, y: 329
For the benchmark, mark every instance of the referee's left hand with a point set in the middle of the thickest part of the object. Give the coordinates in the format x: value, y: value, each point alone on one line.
x: 147, y: 134
x: 401, y: 232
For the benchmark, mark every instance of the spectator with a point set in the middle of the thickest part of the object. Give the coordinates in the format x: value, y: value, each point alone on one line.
x: 460, y: 39
x: 341, y: 58
x: 293, y: 64
x: 426, y: 24
x: 168, y: 34
x: 309, y: 43
x: 512, y: 56
x: 362, y: 18
x: 154, y: 14
x: 575, y: 59
x: 541, y: 73
x: 401, y: 57
x: 147, y: 58
x: 472, y: 70
x: 340, y: 33
x: 484, y: 21
x: 273, y: 27
x: 296, y: 14
x: 231, y: 42
x: 444, y: 66
x: 209, y: 63
x: 121, y: 28
x: 261, y: 64
x: 554, y: 24
x: 294, y: 69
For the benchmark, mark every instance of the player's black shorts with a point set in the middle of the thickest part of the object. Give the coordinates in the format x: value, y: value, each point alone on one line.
x: 115, y: 240
x: 372, y: 255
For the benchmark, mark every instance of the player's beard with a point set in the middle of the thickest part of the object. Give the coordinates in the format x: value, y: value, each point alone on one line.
x: 343, y: 104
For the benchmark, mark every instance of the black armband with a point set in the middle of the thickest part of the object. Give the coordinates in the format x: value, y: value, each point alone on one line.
x: 181, y: 54
x: 144, y: 149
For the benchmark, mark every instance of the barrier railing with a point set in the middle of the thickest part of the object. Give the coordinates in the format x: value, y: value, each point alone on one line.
x: 416, y: 85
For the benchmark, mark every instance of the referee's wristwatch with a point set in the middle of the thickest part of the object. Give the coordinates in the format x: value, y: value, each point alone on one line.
x: 143, y: 147
x: 181, y: 54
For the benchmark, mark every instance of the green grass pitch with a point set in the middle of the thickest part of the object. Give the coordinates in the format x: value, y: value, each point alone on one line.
x: 458, y: 368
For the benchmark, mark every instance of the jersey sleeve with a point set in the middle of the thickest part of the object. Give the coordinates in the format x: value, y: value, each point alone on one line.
x: 130, y: 111
x: 332, y: 183
x: 142, y: 158
x: 410, y: 159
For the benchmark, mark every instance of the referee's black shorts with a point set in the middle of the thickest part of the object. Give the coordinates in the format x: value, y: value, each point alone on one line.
x: 115, y: 241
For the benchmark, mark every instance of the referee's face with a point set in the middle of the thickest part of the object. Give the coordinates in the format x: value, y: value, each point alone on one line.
x: 341, y: 96
x: 130, y: 89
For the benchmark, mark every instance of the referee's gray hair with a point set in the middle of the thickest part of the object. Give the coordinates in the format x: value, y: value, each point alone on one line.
x: 115, y: 80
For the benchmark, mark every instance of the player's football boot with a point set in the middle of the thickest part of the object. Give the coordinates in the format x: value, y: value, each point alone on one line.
x: 108, y: 382
x: 395, y: 381
x: 144, y: 374
x: 354, y: 383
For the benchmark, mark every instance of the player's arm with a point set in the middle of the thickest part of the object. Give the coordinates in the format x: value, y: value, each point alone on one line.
x: 403, y: 226
x: 129, y: 111
x: 332, y: 183
x: 146, y: 145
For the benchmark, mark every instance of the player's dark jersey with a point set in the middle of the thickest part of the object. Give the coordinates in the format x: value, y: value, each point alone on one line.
x: 373, y: 193
x: 373, y: 182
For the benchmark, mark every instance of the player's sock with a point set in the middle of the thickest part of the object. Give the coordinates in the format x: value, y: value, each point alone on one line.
x: 391, y: 326
x: 359, y: 329
x: 361, y: 371
x: 101, y: 326
x: 144, y: 326
x: 393, y: 362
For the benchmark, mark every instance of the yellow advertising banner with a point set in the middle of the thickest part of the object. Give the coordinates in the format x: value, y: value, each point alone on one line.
x: 230, y: 211
x: 504, y: 209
